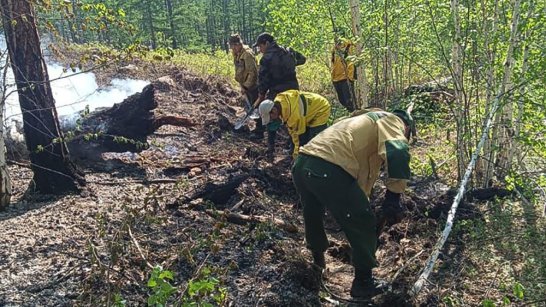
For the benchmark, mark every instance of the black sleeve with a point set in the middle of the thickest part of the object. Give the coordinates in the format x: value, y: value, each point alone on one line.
x: 264, y: 75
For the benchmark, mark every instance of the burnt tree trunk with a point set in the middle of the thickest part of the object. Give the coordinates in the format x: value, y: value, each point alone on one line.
x: 53, y: 171
x: 123, y: 127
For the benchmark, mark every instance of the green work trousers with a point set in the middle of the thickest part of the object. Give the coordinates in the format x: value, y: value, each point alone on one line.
x: 310, y: 133
x: 321, y: 185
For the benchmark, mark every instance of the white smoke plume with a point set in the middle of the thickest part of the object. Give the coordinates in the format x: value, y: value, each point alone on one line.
x: 72, y: 94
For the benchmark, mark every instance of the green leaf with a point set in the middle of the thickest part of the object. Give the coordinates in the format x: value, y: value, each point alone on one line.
x: 519, y: 290
x: 488, y: 303
x: 166, y: 274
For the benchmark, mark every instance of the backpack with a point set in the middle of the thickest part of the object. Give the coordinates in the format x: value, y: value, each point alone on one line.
x: 299, y: 58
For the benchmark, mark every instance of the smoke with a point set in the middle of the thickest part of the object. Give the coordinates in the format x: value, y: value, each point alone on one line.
x: 74, y: 92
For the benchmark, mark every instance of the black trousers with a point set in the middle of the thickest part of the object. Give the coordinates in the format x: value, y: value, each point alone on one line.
x: 252, y: 95
x: 346, y: 94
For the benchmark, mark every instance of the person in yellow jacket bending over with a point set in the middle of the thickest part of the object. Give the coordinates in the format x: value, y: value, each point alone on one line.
x: 305, y: 114
x: 337, y: 170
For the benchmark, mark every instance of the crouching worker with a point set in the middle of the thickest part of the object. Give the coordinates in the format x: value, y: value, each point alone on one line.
x: 337, y: 170
x: 305, y: 115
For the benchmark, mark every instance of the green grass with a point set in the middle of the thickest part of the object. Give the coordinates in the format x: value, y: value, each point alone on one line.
x: 314, y: 76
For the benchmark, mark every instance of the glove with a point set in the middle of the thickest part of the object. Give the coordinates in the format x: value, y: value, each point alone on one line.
x: 261, y: 97
x: 391, y: 211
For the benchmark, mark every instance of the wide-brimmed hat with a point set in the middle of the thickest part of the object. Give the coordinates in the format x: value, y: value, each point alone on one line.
x: 263, y: 38
x: 265, y: 107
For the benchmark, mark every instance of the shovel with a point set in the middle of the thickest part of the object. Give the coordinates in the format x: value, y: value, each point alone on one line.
x: 251, y: 113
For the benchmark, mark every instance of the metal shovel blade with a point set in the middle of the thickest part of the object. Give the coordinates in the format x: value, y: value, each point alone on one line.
x: 241, y: 122
x: 254, y: 114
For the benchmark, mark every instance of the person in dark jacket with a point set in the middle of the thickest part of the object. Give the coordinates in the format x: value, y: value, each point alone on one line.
x: 276, y: 74
x: 277, y: 71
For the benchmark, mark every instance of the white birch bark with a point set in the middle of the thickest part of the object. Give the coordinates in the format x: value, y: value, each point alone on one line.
x: 429, y: 265
x: 507, y: 130
x: 361, y: 82
x: 490, y: 89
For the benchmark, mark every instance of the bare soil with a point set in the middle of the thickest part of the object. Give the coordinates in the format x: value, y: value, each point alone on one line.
x: 163, y: 206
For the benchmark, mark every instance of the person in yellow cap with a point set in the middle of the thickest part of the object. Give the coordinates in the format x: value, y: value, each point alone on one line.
x: 344, y: 73
x: 305, y: 114
x: 337, y: 170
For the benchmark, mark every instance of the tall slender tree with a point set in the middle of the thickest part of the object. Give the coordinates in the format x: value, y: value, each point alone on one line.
x: 362, y: 88
x: 53, y: 171
x: 5, y: 181
x: 170, y: 16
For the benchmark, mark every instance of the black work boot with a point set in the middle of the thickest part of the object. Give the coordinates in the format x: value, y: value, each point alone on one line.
x: 318, y: 259
x: 364, y: 285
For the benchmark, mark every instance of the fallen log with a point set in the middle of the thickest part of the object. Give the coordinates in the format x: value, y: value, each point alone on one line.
x: 220, y: 193
x: 241, y: 219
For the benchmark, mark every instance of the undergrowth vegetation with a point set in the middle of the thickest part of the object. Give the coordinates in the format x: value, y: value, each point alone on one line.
x: 503, y: 259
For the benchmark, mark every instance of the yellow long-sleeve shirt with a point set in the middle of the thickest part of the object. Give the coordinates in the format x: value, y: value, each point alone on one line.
x: 298, y: 113
x: 246, y: 69
x: 362, y: 144
x: 343, y: 69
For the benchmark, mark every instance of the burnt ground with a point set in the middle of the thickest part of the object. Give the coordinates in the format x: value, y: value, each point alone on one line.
x: 164, y: 206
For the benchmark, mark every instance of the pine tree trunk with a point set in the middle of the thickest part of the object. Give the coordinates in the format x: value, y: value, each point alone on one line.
x: 225, y: 19
x: 77, y: 19
x: 150, y: 23
x: 169, y: 5
x: 362, y: 84
x: 53, y: 171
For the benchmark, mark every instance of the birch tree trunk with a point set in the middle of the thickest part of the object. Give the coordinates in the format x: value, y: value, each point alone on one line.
x: 386, y: 56
x: 362, y: 84
x: 457, y: 71
x: 507, y: 131
x: 516, y: 148
x: 490, y: 90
